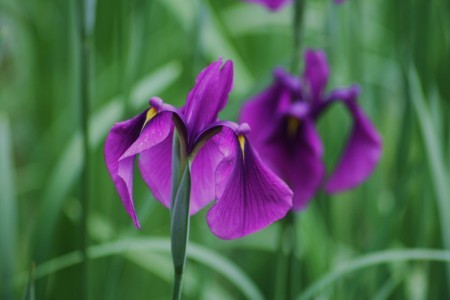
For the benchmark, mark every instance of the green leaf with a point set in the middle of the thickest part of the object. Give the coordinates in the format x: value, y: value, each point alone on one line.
x: 370, y: 260
x: 8, y: 211
x: 222, y: 265
x: 29, y: 291
x: 180, y: 221
x: 436, y: 161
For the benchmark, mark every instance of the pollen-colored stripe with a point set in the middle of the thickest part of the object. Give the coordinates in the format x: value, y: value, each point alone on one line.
x: 151, y: 113
x: 292, y: 126
x: 241, y: 140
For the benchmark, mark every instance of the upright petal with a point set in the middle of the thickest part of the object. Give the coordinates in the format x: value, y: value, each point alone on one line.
x: 119, y: 139
x: 249, y: 195
x: 271, y: 4
x: 209, y: 95
x: 363, y: 150
x: 316, y: 73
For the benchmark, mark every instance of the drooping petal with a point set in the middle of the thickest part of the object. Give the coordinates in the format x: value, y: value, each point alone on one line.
x: 363, y: 149
x: 209, y: 95
x: 119, y: 139
x: 271, y: 4
x: 130, y: 138
x: 249, y: 195
x: 294, y: 151
x: 316, y: 73
x: 203, y: 172
x: 155, y: 165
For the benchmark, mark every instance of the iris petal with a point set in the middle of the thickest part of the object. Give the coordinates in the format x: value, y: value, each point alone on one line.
x: 316, y: 73
x: 363, y: 150
x: 119, y: 139
x: 155, y: 131
x: 271, y: 4
x: 203, y: 172
x: 249, y: 195
x: 155, y: 165
x: 294, y: 152
x: 258, y: 112
x: 209, y: 96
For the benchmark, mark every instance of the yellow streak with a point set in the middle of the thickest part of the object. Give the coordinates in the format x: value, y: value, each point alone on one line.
x: 241, y: 139
x: 151, y: 113
x: 292, y: 126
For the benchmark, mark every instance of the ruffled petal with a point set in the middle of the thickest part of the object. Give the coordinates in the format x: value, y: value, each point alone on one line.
x: 249, y: 195
x: 271, y: 4
x: 209, y: 96
x: 119, y: 139
x: 316, y: 73
x: 363, y: 150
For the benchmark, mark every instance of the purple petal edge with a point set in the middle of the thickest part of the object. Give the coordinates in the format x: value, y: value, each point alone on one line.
x: 119, y: 139
x: 250, y: 196
x: 361, y: 155
x: 272, y: 5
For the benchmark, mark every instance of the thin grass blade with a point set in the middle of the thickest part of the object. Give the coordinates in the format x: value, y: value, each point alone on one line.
x: 8, y: 211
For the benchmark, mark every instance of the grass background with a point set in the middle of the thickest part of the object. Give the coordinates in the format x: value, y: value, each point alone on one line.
x: 398, y: 51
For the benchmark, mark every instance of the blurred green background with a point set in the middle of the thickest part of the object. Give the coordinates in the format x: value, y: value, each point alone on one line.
x: 398, y: 51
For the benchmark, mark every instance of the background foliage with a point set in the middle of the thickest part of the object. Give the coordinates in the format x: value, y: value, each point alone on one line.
x: 397, y: 50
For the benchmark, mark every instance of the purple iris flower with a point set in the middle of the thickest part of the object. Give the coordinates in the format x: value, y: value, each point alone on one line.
x: 283, y: 119
x: 223, y: 165
x: 278, y: 4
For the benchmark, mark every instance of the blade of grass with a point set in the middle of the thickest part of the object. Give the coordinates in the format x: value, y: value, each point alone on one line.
x: 436, y: 161
x: 8, y: 210
x: 202, y: 255
x: 30, y: 291
x: 217, y: 42
x: 370, y: 260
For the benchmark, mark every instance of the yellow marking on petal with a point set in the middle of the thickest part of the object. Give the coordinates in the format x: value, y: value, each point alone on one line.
x: 241, y: 140
x: 292, y: 126
x: 151, y: 113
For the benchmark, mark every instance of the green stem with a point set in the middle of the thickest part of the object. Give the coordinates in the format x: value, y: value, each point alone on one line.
x: 293, y: 270
x: 84, y: 119
x: 286, y: 282
x: 297, y: 24
x: 179, y: 212
x: 197, y: 36
x: 177, y: 284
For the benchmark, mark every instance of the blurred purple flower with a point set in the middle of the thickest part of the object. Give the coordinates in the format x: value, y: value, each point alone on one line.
x: 223, y: 164
x: 271, y: 4
x: 283, y: 119
x: 278, y: 4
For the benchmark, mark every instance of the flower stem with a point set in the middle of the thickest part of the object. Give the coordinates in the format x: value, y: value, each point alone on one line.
x: 297, y: 25
x: 84, y: 40
x: 286, y: 283
x: 179, y: 213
